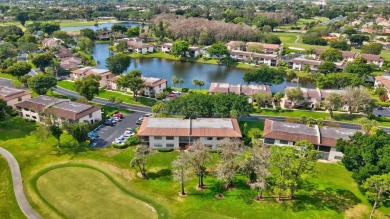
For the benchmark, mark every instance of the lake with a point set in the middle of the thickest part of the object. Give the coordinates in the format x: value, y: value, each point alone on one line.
x: 101, y: 26
x: 164, y: 68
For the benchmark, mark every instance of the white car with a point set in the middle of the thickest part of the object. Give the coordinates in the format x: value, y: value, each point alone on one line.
x: 128, y: 135
x: 117, y: 119
x: 118, y: 142
x: 129, y: 130
x: 176, y: 92
x: 120, y: 138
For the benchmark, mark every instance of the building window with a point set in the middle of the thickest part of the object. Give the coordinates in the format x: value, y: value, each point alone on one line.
x: 338, y: 157
x: 269, y: 141
x: 19, y: 99
x: 32, y: 111
x: 27, y: 115
x: 25, y: 109
x: 157, y: 138
x: 157, y: 145
x: 170, y: 145
x: 169, y: 138
x: 283, y: 142
x: 210, y: 146
x: 90, y: 115
x: 209, y: 138
x: 220, y: 138
x: 34, y: 117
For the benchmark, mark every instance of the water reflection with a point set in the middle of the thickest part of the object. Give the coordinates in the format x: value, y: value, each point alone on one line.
x: 100, y: 26
x: 163, y: 68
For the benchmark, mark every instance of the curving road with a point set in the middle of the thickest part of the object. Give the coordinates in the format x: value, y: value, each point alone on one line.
x: 24, y: 205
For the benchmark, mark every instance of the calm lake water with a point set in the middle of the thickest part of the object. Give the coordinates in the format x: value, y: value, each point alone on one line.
x: 163, y: 68
x: 101, y: 26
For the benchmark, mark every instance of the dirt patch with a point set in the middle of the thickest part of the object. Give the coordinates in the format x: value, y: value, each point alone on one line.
x: 360, y: 211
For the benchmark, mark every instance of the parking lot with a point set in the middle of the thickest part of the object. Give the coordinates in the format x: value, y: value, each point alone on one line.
x: 107, y: 134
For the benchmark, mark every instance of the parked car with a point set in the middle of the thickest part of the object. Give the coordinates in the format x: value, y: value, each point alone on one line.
x: 117, y: 119
x: 128, y: 135
x: 139, y: 122
x: 118, y: 115
x: 166, y: 100
x: 120, y: 138
x: 129, y: 130
x: 148, y: 115
x: 172, y: 95
x: 108, y: 122
x: 118, y: 142
x: 176, y: 92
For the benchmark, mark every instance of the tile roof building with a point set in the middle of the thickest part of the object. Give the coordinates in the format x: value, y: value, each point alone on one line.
x: 374, y: 59
x: 254, y: 58
x: 239, y: 89
x: 384, y: 81
x: 64, y: 109
x: 80, y: 73
x: 153, y: 86
x: 179, y: 133
x: 13, y: 96
x: 312, y: 96
x: 324, y: 139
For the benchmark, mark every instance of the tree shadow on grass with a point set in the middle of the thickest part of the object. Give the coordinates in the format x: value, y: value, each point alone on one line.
x: 163, y: 174
x: 335, y: 199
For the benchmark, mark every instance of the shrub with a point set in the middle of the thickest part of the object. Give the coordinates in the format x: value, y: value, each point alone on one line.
x: 119, y: 146
x: 185, y: 90
x: 132, y: 141
x: 165, y: 149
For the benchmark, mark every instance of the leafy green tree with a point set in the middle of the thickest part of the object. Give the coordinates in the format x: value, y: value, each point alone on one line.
x: 373, y: 48
x: 43, y: 60
x: 281, y: 160
x: 181, y: 170
x: 225, y: 103
x: 49, y: 27
x: 365, y: 155
x: 86, y: 32
x: 139, y: 159
x: 262, y: 98
x: 85, y: 44
x: 19, y: 69
x: 261, y: 21
x: 24, y: 79
x: 197, y: 82
x: 133, y: 81
x: 27, y: 47
x: 118, y: 28
x: 121, y: 46
x: 342, y: 45
x: 313, y: 39
x: 368, y: 126
x: 272, y: 38
x: 331, y: 55
x: 79, y: 131
x: 219, y: 50
x: 349, y: 31
x: 88, y: 87
x: 133, y: 31
x: 5, y: 110
x: 333, y: 102
x: 118, y: 63
x: 294, y: 94
x: 278, y: 97
x: 358, y: 39
x: 180, y: 48
x: 357, y: 99
x: 339, y: 80
x: 22, y: 17
x: 265, y: 74
x: 377, y: 190
x: 63, y: 35
x: 158, y: 108
x: 42, y: 83
x: 327, y: 67
x: 7, y: 50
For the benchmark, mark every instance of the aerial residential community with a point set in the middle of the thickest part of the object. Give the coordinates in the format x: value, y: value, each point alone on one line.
x: 194, y: 109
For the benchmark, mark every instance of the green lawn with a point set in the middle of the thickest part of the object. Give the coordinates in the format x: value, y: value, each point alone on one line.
x: 101, y: 196
x: 331, y: 194
x: 127, y: 98
x: 9, y: 207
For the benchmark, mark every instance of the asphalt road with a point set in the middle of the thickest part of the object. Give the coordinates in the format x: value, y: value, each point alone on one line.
x: 23, y: 203
x: 109, y: 133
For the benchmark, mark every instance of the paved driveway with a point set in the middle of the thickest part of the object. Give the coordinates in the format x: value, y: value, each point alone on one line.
x: 109, y: 133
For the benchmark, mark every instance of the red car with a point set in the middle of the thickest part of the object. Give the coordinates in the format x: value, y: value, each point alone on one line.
x: 171, y: 95
x: 118, y: 115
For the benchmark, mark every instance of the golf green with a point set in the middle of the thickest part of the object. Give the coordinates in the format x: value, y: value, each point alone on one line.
x: 79, y: 192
